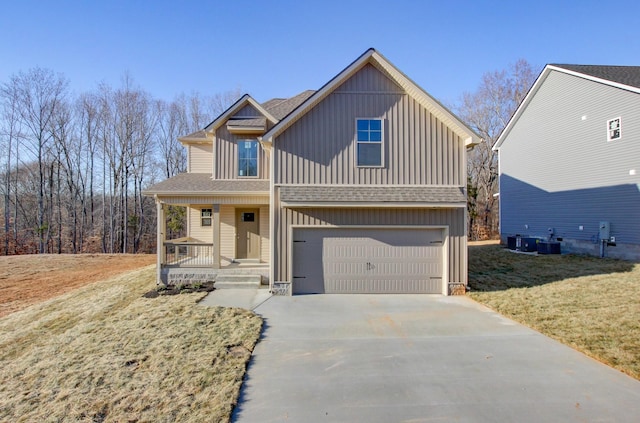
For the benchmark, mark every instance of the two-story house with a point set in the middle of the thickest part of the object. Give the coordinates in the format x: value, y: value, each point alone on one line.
x: 358, y: 187
x: 570, y: 161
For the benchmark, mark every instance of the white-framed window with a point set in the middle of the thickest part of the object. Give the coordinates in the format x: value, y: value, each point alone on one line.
x: 205, y: 217
x: 369, y: 139
x: 248, y: 159
x: 614, y: 129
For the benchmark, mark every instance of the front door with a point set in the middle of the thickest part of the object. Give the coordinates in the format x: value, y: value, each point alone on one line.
x: 247, y: 234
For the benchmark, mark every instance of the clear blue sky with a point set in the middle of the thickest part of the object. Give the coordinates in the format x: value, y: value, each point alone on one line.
x: 279, y: 48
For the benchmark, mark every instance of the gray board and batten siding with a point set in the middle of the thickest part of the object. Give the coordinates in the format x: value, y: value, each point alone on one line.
x: 226, y: 150
x: 557, y: 169
x: 319, y: 149
x: 418, y: 148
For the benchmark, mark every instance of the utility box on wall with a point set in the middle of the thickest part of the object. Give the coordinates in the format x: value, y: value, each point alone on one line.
x: 605, y: 230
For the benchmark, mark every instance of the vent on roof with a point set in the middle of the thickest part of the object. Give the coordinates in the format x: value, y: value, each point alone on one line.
x: 614, y: 129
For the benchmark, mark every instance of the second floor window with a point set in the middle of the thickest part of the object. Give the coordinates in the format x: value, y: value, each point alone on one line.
x: 248, y: 158
x: 369, y: 140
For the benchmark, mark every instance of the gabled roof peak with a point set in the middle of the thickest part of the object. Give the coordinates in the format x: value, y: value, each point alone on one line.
x: 410, y: 87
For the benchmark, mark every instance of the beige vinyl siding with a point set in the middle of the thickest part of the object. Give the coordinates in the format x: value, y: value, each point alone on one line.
x: 196, y: 230
x: 265, y: 244
x: 226, y: 166
x: 200, y: 158
x: 453, y: 218
x: 418, y: 148
x: 227, y: 234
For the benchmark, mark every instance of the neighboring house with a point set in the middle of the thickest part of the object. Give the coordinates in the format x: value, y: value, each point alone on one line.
x: 570, y: 161
x: 356, y: 187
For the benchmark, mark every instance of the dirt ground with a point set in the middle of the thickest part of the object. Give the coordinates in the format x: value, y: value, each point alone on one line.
x: 29, y: 279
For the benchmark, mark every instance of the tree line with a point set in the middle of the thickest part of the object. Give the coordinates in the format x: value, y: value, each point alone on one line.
x: 74, y: 166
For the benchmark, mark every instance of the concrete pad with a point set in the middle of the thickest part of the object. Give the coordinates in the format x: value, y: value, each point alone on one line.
x: 418, y: 358
x: 247, y: 298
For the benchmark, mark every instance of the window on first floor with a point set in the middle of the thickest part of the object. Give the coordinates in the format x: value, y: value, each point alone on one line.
x: 248, y: 158
x: 205, y: 217
x: 369, y: 142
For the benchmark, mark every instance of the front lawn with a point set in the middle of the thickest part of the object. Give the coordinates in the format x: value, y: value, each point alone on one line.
x: 103, y: 353
x: 588, y: 303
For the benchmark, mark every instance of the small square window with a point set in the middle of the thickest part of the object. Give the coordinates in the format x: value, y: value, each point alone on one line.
x: 369, y: 142
x: 614, y: 129
x: 205, y: 217
x: 248, y: 217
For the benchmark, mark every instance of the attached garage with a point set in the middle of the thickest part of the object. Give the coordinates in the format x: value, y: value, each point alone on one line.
x: 339, y: 260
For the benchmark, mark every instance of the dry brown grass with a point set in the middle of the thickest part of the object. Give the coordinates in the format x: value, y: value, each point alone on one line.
x: 588, y: 303
x: 32, y: 278
x: 104, y: 353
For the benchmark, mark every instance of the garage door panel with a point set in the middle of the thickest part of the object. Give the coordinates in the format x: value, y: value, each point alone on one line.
x: 385, y: 286
x: 368, y: 260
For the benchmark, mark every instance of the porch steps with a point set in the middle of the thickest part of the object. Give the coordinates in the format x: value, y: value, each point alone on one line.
x: 237, y: 281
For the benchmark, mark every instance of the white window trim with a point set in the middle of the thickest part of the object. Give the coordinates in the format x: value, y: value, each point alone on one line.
x: 382, y: 158
x: 202, y: 217
x: 257, y: 159
x: 609, y: 138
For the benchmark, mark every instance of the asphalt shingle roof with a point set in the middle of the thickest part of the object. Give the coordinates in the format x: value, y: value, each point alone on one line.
x: 627, y: 75
x: 201, y: 183
x: 372, y: 194
x: 280, y: 107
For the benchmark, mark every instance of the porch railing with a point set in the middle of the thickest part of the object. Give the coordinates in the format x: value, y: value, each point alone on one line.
x: 188, y: 254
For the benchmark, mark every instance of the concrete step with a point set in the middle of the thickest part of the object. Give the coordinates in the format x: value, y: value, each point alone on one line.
x: 237, y: 281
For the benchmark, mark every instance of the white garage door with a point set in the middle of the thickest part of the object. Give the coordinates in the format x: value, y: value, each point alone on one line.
x: 365, y: 260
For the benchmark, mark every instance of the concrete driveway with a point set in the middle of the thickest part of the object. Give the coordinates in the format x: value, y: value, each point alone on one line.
x: 420, y: 358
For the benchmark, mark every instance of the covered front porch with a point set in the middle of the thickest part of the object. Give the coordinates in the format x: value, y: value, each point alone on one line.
x: 223, y: 239
x: 227, y: 231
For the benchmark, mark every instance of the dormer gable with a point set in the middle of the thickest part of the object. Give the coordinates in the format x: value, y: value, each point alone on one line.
x: 245, y: 116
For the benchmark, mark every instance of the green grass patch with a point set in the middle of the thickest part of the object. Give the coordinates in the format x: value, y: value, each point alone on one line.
x: 103, y: 353
x: 588, y: 303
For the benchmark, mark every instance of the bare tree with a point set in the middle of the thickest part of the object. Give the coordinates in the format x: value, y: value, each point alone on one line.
x: 40, y: 92
x: 74, y: 168
x: 488, y: 110
x: 9, y: 137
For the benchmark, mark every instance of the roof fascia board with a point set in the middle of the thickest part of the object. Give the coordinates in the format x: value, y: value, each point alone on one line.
x: 205, y: 193
x: 595, y: 79
x: 372, y: 56
x: 242, y: 101
x: 314, y: 99
x: 427, y: 101
x: 370, y: 204
x: 187, y: 140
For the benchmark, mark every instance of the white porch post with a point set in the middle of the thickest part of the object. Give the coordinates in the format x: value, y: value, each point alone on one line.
x: 161, y: 227
x: 215, y: 208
